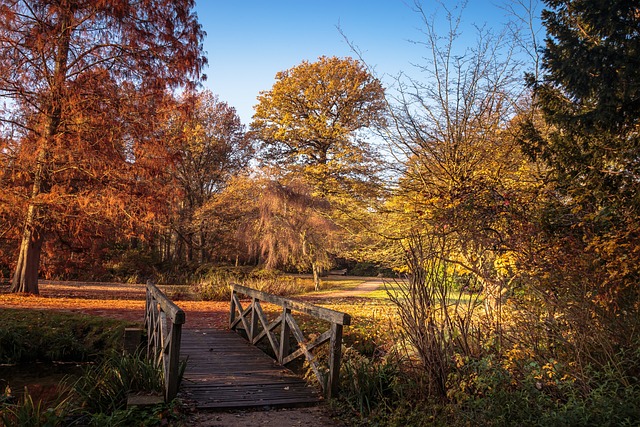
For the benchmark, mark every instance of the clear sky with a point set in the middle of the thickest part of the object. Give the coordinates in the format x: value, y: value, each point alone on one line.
x: 249, y: 41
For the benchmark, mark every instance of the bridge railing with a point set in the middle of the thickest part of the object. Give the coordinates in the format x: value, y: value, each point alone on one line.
x: 163, y: 322
x: 278, y: 332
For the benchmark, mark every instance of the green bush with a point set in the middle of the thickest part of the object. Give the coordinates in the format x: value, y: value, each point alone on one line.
x: 489, y: 394
x: 369, y: 385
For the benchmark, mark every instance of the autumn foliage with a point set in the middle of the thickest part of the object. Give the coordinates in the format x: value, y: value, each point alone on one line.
x: 509, y: 205
x: 86, y: 83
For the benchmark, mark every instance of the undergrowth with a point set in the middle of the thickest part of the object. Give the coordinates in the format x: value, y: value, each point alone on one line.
x: 98, y: 396
x: 32, y: 335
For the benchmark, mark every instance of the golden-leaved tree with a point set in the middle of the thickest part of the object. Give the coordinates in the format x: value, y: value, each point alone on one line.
x: 311, y: 126
x: 84, y: 84
x: 464, y: 198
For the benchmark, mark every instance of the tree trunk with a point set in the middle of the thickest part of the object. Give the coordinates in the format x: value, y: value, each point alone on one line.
x: 25, y: 278
x: 316, y: 275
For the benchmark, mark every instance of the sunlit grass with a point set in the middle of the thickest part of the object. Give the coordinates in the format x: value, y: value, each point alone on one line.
x: 388, y: 287
x: 334, y: 285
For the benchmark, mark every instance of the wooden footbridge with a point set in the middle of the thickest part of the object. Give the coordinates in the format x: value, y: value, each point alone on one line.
x: 225, y: 369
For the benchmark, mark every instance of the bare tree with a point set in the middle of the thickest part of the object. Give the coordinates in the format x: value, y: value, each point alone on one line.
x: 437, y: 316
x: 463, y: 168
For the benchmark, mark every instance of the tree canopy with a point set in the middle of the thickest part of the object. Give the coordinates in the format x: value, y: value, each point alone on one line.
x: 308, y: 125
x: 310, y: 118
x: 589, y: 100
x: 85, y: 82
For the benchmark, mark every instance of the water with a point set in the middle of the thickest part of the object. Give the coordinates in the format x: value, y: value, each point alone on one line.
x: 43, y: 380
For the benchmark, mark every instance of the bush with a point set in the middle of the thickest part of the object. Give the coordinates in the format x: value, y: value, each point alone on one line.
x: 216, y: 283
x: 133, y: 265
x: 369, y: 385
x: 215, y: 286
x: 489, y: 394
x: 29, y: 335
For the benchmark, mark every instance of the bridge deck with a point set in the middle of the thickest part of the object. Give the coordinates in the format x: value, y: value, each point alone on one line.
x: 224, y: 371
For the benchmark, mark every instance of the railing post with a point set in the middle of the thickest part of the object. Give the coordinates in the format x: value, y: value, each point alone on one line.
x: 232, y: 314
x: 284, y: 334
x: 164, y: 322
x: 254, y: 321
x: 173, y: 370
x: 335, y: 353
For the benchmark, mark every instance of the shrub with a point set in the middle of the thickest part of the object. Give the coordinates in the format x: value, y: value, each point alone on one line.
x: 215, y: 286
x: 29, y: 335
x: 369, y: 384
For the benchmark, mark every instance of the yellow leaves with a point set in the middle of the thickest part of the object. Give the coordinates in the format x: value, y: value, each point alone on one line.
x: 313, y: 109
x: 505, y: 263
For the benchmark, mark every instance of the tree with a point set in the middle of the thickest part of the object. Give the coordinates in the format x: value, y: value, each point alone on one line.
x: 81, y: 75
x: 586, y: 129
x: 211, y: 148
x: 464, y: 176
x: 311, y: 126
x: 309, y: 120
x: 230, y: 219
x: 292, y: 230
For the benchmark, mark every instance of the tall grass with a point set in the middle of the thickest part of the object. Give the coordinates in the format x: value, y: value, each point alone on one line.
x: 29, y: 413
x: 216, y: 285
x: 104, y: 387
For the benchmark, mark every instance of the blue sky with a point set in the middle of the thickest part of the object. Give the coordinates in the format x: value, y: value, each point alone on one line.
x: 249, y: 41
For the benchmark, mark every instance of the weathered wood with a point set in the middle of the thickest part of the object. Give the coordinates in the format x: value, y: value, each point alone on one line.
x: 166, y: 305
x: 335, y: 352
x: 310, y: 309
x: 284, y: 334
x: 144, y: 400
x: 226, y: 372
x: 253, y: 321
x: 163, y: 322
x: 132, y: 342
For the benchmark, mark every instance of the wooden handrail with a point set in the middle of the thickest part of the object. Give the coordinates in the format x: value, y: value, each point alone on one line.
x: 163, y: 322
x: 254, y: 322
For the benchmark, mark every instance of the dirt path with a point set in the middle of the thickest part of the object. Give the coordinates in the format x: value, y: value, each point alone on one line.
x: 368, y: 285
x: 308, y: 417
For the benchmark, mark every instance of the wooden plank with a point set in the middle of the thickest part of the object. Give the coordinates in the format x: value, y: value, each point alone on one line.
x: 224, y: 371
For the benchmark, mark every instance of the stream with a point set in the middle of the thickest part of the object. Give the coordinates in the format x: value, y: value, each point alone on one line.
x: 43, y: 380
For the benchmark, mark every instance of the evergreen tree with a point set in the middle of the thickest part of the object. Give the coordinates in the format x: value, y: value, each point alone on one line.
x: 591, y: 97
x: 589, y: 100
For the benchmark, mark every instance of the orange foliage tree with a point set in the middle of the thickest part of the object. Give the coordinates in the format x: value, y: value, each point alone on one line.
x: 210, y: 148
x: 84, y: 83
